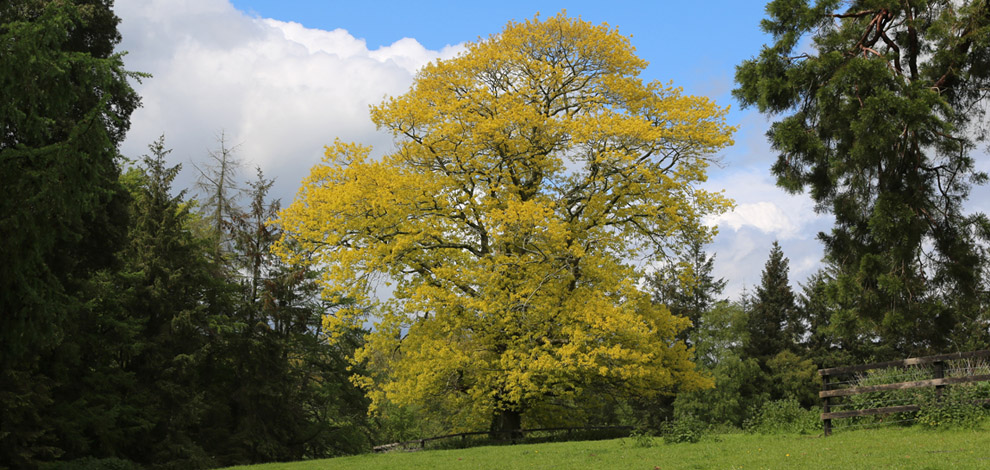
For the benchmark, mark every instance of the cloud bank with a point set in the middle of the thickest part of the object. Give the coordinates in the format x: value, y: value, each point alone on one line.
x: 279, y: 90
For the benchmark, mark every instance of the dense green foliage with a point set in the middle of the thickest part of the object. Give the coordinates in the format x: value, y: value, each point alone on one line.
x: 879, y: 107
x: 784, y: 416
x: 178, y: 362
x: 64, y: 107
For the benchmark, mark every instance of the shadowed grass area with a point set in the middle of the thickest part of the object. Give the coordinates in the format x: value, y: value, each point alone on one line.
x: 908, y: 448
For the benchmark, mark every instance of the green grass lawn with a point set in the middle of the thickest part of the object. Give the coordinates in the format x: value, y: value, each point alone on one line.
x: 908, y: 448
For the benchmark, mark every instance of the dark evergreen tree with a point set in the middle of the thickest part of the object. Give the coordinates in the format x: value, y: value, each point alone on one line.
x: 65, y: 107
x: 124, y: 335
x: 181, y: 362
x: 776, y: 330
x: 879, y: 116
x: 93, y: 413
x: 816, y: 310
x: 773, y: 324
x: 65, y: 104
x: 185, y: 305
x: 285, y: 391
x: 687, y: 286
x: 823, y: 344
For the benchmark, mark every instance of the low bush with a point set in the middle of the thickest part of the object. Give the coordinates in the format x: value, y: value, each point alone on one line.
x: 784, y: 416
x: 685, y: 428
x: 641, y: 438
x: 960, y: 406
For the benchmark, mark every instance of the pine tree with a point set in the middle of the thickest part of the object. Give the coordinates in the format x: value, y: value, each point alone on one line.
x: 687, y: 286
x: 773, y: 323
x: 65, y: 104
x: 185, y: 305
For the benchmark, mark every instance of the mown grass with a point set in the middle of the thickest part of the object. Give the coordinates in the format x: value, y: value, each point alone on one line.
x: 889, y: 448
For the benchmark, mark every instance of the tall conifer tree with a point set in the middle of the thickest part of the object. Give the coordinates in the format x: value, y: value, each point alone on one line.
x: 185, y: 308
x: 687, y: 286
x: 773, y: 324
x: 878, y: 117
x: 65, y: 104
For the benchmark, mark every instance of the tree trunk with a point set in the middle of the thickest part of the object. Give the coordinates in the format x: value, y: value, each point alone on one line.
x: 506, y: 425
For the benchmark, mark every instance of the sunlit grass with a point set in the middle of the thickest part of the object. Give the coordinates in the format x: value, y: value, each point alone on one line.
x: 908, y: 448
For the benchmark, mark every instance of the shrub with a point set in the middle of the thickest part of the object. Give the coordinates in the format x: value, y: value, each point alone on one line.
x: 960, y: 406
x: 794, y: 377
x: 784, y: 416
x: 686, y: 428
x: 739, y: 383
x: 885, y: 398
x: 641, y: 437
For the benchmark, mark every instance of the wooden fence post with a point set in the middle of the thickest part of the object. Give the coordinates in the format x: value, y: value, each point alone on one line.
x: 826, y: 423
x: 939, y: 373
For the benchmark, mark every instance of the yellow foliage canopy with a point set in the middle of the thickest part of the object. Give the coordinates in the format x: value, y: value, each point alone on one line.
x: 530, y: 172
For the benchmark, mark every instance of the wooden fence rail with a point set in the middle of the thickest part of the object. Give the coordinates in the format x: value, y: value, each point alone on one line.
x: 938, y: 380
x: 421, y: 443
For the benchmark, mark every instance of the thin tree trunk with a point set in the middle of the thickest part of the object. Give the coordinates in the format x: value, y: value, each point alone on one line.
x: 506, y: 425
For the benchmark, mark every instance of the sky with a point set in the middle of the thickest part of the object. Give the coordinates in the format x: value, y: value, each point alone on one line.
x: 281, y: 79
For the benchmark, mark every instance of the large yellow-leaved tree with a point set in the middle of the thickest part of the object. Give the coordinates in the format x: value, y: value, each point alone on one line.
x: 532, y: 175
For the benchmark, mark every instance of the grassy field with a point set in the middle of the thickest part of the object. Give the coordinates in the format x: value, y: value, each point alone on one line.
x: 907, y: 448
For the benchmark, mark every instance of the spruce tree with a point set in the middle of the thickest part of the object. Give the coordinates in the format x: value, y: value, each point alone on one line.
x: 65, y: 104
x: 185, y: 305
x: 773, y: 323
x: 687, y: 286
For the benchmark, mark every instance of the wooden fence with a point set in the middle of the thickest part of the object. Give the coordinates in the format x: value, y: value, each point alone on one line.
x: 831, y: 389
x: 416, y: 444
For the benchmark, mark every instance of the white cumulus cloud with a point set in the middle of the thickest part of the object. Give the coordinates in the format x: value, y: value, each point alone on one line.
x: 280, y: 90
x: 764, y: 213
x: 765, y: 216
x: 760, y: 204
